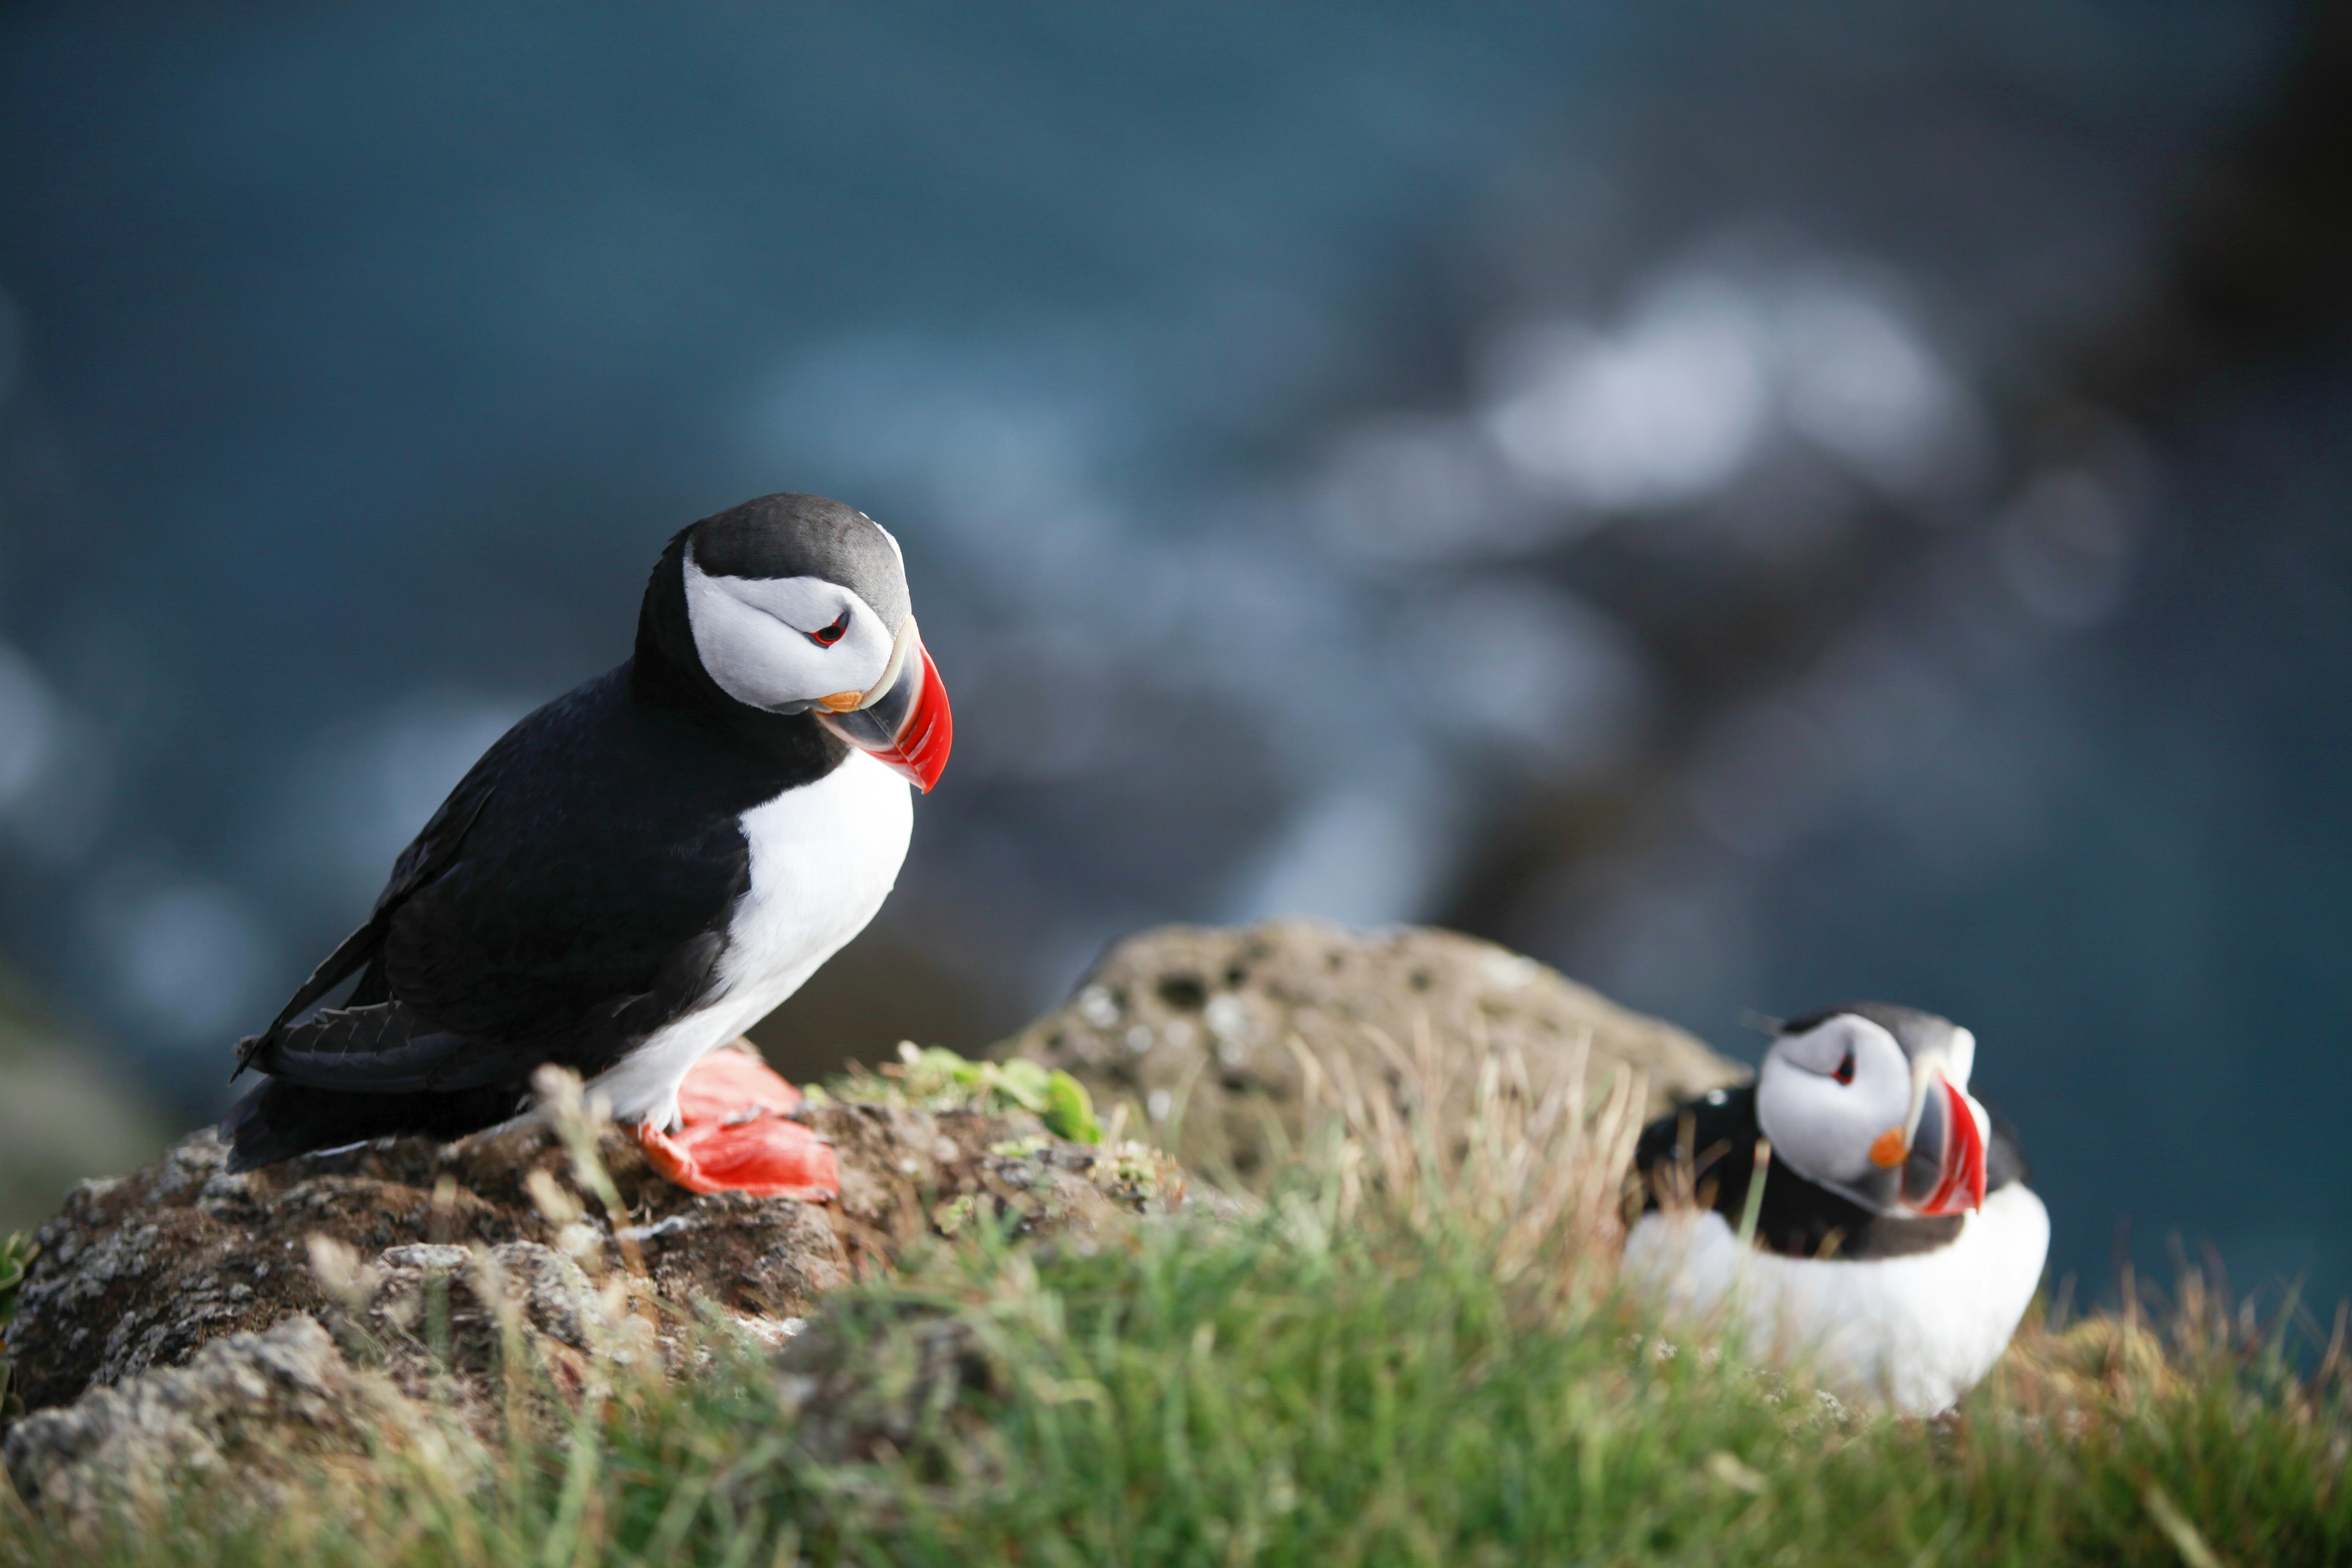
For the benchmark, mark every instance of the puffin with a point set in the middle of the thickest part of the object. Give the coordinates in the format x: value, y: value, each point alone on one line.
x: 1896, y: 1245
x: 639, y: 870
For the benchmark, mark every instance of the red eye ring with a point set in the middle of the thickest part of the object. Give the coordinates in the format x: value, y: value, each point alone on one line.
x: 828, y: 636
x: 1844, y: 1073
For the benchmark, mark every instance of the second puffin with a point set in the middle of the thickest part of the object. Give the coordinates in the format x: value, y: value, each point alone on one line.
x: 642, y: 868
x: 1895, y: 1242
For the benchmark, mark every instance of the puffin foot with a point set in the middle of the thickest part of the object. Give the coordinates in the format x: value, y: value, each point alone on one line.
x: 733, y: 1135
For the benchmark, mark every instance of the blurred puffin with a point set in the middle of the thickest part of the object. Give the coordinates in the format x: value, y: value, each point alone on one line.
x: 1896, y: 1243
x: 643, y: 868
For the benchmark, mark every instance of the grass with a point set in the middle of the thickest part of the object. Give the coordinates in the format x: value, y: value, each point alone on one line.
x: 1410, y: 1355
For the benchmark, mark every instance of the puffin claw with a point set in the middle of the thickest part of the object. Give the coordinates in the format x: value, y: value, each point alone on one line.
x: 734, y: 1135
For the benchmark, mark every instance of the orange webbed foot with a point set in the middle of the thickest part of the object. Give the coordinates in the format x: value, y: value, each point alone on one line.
x: 733, y: 1136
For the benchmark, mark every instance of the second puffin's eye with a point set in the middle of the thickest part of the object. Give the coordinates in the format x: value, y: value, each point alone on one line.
x: 828, y: 636
x: 1844, y: 1073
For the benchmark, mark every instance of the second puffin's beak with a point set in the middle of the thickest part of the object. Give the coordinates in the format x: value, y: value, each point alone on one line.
x: 903, y: 719
x: 1944, y: 1165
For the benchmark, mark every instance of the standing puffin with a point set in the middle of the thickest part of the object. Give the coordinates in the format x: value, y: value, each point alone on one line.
x: 643, y: 868
x: 1896, y: 1243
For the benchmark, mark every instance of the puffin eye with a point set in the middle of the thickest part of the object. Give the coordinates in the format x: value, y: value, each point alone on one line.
x: 1844, y: 1073
x: 828, y: 636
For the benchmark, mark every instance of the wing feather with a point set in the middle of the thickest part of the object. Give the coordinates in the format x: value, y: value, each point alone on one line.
x: 431, y: 852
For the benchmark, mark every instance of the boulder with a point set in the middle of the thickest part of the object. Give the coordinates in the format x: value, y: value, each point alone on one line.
x: 1198, y: 1028
x: 143, y: 1271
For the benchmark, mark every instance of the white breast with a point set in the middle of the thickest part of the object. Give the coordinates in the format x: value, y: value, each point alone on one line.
x: 824, y: 857
x: 1914, y: 1332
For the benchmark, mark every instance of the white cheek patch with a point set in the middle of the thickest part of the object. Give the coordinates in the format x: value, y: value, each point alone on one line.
x: 803, y: 603
x: 754, y: 638
x: 746, y: 653
x: 1822, y: 1128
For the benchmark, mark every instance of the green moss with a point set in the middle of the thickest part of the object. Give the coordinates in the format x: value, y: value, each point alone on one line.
x: 933, y: 1079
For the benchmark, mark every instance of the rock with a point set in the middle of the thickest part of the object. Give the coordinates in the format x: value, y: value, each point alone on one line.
x: 1199, y: 1017
x: 246, y: 1419
x: 143, y: 1271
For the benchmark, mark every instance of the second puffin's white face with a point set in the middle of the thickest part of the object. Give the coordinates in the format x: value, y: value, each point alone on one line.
x: 784, y: 644
x: 1823, y: 1097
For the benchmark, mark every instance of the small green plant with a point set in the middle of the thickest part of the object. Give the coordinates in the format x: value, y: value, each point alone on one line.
x: 932, y: 1077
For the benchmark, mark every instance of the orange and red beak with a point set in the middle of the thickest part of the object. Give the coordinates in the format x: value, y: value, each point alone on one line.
x: 1944, y: 1170
x: 904, y: 719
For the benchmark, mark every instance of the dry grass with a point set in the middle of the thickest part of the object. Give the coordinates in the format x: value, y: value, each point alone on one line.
x: 1539, y: 1173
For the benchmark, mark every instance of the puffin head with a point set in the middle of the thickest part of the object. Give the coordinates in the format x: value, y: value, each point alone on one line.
x: 797, y: 605
x: 1872, y: 1101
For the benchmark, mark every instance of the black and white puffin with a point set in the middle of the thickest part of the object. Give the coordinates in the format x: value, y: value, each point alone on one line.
x: 1896, y: 1245
x: 643, y: 868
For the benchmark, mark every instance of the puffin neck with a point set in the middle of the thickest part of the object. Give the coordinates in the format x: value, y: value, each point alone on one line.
x: 665, y: 670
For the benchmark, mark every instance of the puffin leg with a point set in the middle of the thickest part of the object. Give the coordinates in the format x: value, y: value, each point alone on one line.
x: 735, y: 1135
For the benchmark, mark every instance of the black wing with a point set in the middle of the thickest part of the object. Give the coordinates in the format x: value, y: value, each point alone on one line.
x: 387, y: 1048
x: 434, y: 849
x: 570, y: 898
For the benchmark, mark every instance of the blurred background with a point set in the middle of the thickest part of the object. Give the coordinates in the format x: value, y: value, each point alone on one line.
x: 1752, y: 505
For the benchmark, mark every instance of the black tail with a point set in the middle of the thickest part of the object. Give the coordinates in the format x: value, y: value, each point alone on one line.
x: 280, y: 1119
